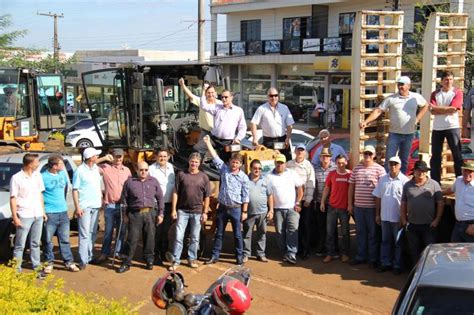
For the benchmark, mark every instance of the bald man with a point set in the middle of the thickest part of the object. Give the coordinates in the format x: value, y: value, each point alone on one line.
x: 138, y: 198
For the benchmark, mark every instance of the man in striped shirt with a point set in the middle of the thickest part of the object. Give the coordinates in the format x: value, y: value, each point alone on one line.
x: 362, y: 182
x: 304, y: 169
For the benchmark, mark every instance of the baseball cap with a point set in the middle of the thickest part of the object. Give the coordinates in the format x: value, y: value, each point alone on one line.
x: 369, y: 148
x: 324, y: 133
x: 117, y: 151
x: 468, y: 166
x: 300, y: 146
x: 90, y: 152
x: 404, y: 80
x: 422, y: 166
x: 395, y: 159
x: 280, y: 158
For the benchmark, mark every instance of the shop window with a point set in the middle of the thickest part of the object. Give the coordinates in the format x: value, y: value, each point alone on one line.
x: 297, y: 27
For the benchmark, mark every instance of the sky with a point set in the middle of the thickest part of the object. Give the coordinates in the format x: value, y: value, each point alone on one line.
x: 108, y: 24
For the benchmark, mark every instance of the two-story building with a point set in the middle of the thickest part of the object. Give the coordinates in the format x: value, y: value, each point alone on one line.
x: 303, y: 47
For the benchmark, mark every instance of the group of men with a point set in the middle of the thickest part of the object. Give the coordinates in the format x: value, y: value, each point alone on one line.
x: 304, y: 199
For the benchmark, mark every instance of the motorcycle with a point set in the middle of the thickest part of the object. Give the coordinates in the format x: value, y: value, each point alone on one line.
x: 229, y: 294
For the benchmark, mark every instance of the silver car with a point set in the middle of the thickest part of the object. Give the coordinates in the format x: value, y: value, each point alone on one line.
x: 442, y: 282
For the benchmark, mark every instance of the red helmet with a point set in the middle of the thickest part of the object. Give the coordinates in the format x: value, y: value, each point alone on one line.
x: 167, y: 289
x: 232, y: 296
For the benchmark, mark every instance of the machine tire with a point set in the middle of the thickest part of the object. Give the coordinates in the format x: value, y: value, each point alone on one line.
x: 84, y: 143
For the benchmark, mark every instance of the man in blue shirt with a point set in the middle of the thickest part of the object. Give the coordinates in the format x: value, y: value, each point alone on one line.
x: 335, y: 149
x: 260, y: 209
x: 56, y: 181
x: 233, y: 201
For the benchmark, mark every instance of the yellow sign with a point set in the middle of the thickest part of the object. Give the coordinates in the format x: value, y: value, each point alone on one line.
x: 332, y: 63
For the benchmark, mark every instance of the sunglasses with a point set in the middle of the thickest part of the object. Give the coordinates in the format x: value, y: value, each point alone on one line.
x: 257, y: 168
x: 224, y: 97
x: 368, y: 153
x: 272, y: 95
x: 143, y: 170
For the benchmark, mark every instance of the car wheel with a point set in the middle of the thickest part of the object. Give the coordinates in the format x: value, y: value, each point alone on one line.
x: 84, y: 143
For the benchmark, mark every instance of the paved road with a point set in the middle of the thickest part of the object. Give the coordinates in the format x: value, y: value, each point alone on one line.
x: 310, y: 287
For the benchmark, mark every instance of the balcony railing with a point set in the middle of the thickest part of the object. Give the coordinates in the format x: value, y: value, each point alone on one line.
x: 316, y: 46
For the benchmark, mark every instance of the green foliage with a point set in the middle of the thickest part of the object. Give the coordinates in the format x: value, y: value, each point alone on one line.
x: 22, y: 293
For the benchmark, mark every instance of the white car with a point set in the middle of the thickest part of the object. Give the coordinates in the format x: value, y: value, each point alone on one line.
x: 297, y: 137
x: 12, y: 163
x: 85, y: 138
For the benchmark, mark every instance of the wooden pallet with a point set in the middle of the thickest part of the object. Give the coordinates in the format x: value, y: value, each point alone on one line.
x: 375, y: 69
x: 444, y: 48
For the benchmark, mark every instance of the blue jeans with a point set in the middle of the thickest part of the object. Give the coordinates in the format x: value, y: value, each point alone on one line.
x: 366, y: 234
x: 34, y: 227
x: 260, y: 221
x: 223, y: 216
x: 194, y: 219
x: 331, y: 237
x: 112, y: 221
x: 401, y: 143
x: 459, y: 233
x: 87, y: 233
x: 58, y: 222
x: 390, y: 250
x: 286, y: 226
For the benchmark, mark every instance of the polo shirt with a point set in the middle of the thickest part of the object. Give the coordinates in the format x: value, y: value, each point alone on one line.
x: 273, y: 122
x: 454, y: 98
x: 402, y: 111
x: 305, y: 171
x: 365, y: 179
x: 27, y: 191
x: 86, y: 181
x: 339, y: 189
x: 421, y: 200
x: 166, y: 178
x: 54, y: 194
x: 464, y: 208
x: 282, y: 187
x: 114, y: 176
x: 389, y: 190
x: 258, y: 197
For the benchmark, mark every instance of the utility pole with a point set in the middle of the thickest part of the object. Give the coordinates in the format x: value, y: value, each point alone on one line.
x: 55, y: 38
x: 201, y: 30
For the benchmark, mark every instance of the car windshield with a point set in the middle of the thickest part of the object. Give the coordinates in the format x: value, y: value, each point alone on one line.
x: 435, y: 300
x: 7, y: 170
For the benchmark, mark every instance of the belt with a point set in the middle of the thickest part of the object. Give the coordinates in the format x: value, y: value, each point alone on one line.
x: 231, y: 206
x: 274, y: 138
x: 142, y: 210
x: 467, y: 222
x: 220, y: 139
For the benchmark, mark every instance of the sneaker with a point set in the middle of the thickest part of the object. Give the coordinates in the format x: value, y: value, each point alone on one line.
x: 344, y: 258
x: 245, y: 259
x: 48, y: 269
x: 192, y: 264
x: 82, y: 266
x: 41, y: 275
x: 327, y: 259
x: 262, y: 259
x: 72, y: 267
x: 291, y: 260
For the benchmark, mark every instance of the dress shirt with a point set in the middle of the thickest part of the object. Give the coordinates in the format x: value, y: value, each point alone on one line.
x: 389, y: 190
x: 165, y: 177
x: 273, y: 122
x: 234, y: 188
x: 114, y: 176
x: 229, y: 123
x: 464, y: 208
x: 321, y: 174
x: 142, y: 194
x: 28, y: 191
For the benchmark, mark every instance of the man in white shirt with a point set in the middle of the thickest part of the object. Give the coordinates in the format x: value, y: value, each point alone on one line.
x: 163, y: 171
x: 276, y: 122
x: 402, y: 107
x: 286, y: 190
x: 463, y: 188
x: 27, y: 205
x: 445, y: 105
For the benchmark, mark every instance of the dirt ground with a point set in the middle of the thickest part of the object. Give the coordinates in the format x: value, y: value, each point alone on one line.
x: 309, y: 287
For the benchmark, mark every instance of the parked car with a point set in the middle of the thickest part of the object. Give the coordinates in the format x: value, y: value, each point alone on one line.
x: 81, y: 124
x: 442, y: 282
x: 11, y: 164
x: 72, y: 118
x: 85, y: 138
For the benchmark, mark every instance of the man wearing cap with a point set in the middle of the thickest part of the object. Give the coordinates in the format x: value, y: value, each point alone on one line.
x: 445, y: 105
x: 139, y: 196
x: 233, y: 202
x: 321, y: 172
x: 388, y: 194
x: 286, y: 189
x: 325, y: 140
x: 337, y: 188
x: 163, y: 171
x: 402, y: 107
x: 87, y: 196
x: 364, y: 178
x: 276, y: 122
x: 114, y: 176
x: 303, y: 168
x: 463, y: 188
x: 421, y: 209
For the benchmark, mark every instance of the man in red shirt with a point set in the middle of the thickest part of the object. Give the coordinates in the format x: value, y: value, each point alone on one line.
x: 337, y: 187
